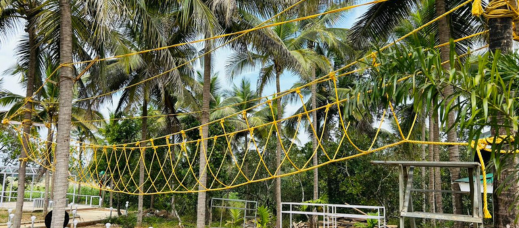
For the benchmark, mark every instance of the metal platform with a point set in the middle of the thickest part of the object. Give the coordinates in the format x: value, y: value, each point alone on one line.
x: 406, y: 175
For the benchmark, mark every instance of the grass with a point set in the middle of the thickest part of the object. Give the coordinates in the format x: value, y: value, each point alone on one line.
x: 155, y: 222
x: 26, y: 217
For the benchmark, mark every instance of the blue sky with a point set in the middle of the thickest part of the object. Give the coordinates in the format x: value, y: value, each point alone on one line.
x: 8, y: 59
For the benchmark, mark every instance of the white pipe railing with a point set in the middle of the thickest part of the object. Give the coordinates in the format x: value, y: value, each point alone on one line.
x: 331, y: 212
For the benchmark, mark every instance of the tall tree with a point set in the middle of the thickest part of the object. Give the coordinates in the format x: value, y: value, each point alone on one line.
x: 66, y: 81
x: 377, y: 25
x: 505, y: 212
x: 10, y: 12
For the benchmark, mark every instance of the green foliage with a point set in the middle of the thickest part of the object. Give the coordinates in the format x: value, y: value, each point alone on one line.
x: 370, y: 223
x: 264, y: 217
x: 236, y: 219
x: 9, y: 145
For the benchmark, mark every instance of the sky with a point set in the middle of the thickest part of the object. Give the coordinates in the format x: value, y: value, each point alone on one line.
x: 11, y: 83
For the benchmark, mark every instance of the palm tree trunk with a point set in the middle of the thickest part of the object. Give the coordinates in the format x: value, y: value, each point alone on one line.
x: 26, y: 123
x: 65, y: 114
x: 315, y: 159
x: 444, y: 36
x: 431, y: 158
x: 504, y: 212
x: 144, y: 132
x: 278, y: 148
x: 206, y: 100
x: 80, y: 167
x: 437, y: 173
x: 424, y: 158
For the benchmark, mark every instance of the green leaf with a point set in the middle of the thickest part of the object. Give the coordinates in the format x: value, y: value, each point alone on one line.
x: 485, y: 107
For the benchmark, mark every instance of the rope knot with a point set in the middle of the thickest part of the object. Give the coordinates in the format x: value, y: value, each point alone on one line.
x: 477, y: 9
x: 374, y: 57
x: 222, y: 121
x: 328, y: 106
x: 5, y: 121
x: 333, y: 76
x: 244, y: 113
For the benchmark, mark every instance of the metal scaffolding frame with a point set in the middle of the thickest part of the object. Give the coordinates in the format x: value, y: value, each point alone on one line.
x: 331, y: 212
x: 224, y: 204
x: 406, y: 175
x: 12, y: 171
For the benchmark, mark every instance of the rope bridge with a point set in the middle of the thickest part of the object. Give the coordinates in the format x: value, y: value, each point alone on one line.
x: 169, y: 161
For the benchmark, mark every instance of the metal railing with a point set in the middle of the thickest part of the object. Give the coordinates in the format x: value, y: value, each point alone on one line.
x: 249, y: 208
x: 330, y: 213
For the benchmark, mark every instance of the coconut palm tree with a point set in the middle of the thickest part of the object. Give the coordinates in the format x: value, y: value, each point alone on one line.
x: 10, y: 14
x: 46, y: 113
x: 501, y: 40
x: 378, y: 25
x: 273, y: 63
x: 319, y: 36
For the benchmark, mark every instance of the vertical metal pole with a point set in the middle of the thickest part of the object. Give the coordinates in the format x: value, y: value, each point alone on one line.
x: 221, y: 213
x: 32, y: 188
x: 281, y: 219
x: 384, y: 216
x: 479, y: 200
x: 245, y: 214
x: 3, y: 191
x: 290, y: 225
x: 255, y: 211
x: 401, y: 194
x: 74, y: 194
x: 10, y: 190
x: 378, y: 219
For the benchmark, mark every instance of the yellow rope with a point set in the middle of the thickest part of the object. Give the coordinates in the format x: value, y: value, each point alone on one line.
x: 115, y: 156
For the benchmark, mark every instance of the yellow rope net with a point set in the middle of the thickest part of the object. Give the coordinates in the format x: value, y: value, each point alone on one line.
x: 170, y: 161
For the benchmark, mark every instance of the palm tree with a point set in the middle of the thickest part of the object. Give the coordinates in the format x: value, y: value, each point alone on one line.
x: 377, y: 25
x: 64, y: 120
x: 152, y: 26
x: 288, y: 55
x: 501, y: 39
x: 10, y: 13
x: 45, y: 112
x: 318, y: 35
x: 242, y: 97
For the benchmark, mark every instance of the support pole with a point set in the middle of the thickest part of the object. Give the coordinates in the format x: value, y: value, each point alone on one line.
x: 32, y: 188
x: 10, y: 190
x: 3, y: 191
x: 401, y: 194
x: 74, y: 193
